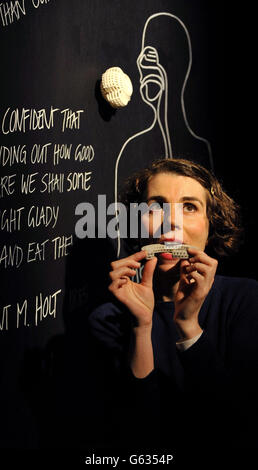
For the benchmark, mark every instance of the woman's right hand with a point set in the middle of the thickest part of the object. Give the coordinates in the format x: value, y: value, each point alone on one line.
x: 138, y: 298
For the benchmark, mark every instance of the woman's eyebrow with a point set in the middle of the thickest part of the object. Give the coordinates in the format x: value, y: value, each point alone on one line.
x: 191, y: 198
x: 156, y: 198
x: 182, y: 199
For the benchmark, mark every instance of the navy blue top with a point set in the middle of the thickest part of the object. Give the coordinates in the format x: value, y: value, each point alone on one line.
x: 214, y: 382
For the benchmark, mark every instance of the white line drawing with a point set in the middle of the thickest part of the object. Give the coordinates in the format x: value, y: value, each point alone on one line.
x: 151, y: 71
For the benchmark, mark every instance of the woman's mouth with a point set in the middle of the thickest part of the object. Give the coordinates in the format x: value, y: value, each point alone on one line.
x: 166, y: 256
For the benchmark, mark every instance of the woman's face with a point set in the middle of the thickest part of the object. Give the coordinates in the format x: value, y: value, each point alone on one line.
x: 171, y: 188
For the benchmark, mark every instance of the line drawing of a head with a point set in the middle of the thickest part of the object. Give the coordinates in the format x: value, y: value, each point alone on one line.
x: 153, y: 84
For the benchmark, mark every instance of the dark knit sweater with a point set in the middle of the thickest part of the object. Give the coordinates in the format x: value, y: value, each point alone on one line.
x: 203, y: 397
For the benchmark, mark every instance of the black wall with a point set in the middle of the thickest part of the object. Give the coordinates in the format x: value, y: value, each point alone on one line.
x: 53, y: 54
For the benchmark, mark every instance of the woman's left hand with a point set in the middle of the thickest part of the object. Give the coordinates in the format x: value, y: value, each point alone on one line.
x: 196, y: 279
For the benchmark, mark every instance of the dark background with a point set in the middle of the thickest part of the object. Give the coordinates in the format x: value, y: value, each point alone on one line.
x: 55, y: 55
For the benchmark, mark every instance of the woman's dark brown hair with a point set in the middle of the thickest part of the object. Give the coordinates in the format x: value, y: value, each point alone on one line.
x: 223, y: 213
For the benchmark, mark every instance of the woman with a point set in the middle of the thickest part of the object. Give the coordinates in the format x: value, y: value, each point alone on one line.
x: 184, y: 340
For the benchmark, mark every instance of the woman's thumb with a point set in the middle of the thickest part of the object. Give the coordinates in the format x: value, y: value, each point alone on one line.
x: 148, y: 271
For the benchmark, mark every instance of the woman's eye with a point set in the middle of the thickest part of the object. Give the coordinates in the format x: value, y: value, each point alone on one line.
x: 154, y: 207
x: 189, y: 207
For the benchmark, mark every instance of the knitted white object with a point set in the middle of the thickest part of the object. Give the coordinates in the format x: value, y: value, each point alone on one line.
x: 116, y: 87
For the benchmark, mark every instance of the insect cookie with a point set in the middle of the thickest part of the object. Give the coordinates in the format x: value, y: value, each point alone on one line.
x: 178, y: 250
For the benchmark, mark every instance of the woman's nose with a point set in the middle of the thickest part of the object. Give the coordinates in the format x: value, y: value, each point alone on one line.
x: 173, y: 220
